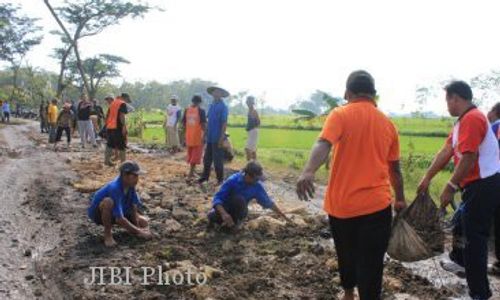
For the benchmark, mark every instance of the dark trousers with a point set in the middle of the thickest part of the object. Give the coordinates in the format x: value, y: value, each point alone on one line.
x: 497, y: 234
x: 215, y: 154
x: 59, y: 133
x: 235, y: 206
x: 361, y: 243
x: 473, y: 220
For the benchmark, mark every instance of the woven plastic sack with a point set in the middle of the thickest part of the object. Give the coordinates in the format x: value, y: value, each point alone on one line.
x: 405, y: 244
x: 424, y: 217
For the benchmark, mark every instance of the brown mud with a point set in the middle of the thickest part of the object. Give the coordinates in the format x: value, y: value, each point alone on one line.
x: 50, y: 245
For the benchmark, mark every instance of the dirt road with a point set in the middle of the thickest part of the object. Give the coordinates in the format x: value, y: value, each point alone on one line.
x: 31, y: 181
x: 49, y: 246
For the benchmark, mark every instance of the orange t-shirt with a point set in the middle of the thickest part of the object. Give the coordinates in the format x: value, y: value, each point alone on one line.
x: 364, y: 142
x: 194, y: 129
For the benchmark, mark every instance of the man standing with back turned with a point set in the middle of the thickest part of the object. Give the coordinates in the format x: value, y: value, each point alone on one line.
x: 358, y: 200
x: 475, y: 153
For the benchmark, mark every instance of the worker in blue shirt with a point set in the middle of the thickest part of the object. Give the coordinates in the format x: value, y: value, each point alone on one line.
x: 230, y: 203
x: 117, y: 203
x: 214, y: 135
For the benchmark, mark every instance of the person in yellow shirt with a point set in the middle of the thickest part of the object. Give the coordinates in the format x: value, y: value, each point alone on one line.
x: 52, y: 115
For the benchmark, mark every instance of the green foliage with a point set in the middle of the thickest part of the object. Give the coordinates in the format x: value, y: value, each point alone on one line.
x: 18, y: 34
x: 135, y: 124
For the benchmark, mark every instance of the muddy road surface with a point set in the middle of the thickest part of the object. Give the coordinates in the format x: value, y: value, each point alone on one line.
x: 50, y: 250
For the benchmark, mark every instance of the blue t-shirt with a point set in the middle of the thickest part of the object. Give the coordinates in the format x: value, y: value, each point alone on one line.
x: 496, y: 128
x: 236, y: 185
x: 123, y: 203
x: 6, y: 107
x: 217, y: 115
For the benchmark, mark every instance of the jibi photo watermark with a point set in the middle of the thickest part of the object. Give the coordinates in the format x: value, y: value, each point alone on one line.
x: 147, y: 275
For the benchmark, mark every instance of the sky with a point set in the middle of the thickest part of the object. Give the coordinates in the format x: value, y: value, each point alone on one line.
x: 282, y: 50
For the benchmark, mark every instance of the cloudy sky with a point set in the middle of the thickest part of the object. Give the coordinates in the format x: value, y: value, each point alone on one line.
x: 285, y: 49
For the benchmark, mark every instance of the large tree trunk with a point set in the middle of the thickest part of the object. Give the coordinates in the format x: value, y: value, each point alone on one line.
x: 60, y: 80
x: 74, y: 43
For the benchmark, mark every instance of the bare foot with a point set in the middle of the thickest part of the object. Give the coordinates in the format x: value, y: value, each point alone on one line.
x: 109, y: 242
x: 348, y: 295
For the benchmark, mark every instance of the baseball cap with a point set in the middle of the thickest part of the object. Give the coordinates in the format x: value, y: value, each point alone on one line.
x: 131, y: 167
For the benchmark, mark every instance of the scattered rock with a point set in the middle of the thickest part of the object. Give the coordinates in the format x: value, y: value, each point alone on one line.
x: 202, y: 292
x: 297, y: 220
x: 317, y: 249
x: 181, y: 213
x: 228, y: 245
x: 211, y: 272
x: 27, y: 252
x: 332, y: 264
x: 29, y: 277
x: 172, y: 225
x: 266, y: 224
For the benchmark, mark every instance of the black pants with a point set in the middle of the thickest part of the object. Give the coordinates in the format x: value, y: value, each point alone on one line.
x: 473, y: 220
x: 213, y: 154
x: 497, y: 234
x: 361, y: 243
x: 236, y: 207
x: 59, y: 133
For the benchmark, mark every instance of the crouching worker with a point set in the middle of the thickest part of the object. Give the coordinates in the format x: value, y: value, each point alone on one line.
x: 117, y: 203
x: 230, y: 203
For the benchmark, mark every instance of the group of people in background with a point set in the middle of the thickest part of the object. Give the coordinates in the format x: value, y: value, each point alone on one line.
x: 204, y: 134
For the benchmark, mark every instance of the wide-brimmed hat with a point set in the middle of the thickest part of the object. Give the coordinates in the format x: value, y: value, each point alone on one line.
x: 212, y: 89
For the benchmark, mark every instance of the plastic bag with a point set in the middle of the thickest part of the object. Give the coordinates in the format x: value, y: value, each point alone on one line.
x: 417, y: 232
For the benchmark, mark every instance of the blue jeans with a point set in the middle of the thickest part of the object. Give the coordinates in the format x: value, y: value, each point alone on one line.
x: 473, y: 221
x: 213, y: 154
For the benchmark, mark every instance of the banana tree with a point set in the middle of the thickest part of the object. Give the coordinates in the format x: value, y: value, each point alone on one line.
x: 308, y: 115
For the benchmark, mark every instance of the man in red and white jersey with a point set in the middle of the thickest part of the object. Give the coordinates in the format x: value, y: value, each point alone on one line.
x: 476, y: 156
x: 494, y: 117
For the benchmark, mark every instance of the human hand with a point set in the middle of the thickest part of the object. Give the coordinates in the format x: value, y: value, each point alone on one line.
x: 305, y: 186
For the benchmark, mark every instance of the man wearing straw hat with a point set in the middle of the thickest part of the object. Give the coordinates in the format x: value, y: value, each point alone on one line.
x: 215, y: 134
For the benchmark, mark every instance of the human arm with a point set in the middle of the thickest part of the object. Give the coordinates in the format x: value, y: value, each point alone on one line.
x: 222, y: 196
x: 463, y: 168
x: 438, y: 163
x: 224, y: 116
x: 278, y: 211
x: 318, y: 156
x: 397, y: 185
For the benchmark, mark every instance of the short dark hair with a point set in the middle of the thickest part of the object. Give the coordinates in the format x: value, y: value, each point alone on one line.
x: 253, y: 169
x: 125, y: 97
x: 496, y: 109
x: 196, y: 99
x: 459, y: 88
x: 361, y: 83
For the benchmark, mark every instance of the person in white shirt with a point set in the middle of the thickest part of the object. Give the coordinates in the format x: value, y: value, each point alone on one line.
x: 173, y: 115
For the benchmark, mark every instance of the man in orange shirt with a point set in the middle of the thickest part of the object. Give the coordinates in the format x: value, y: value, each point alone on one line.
x: 358, y: 200
x: 194, y: 121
